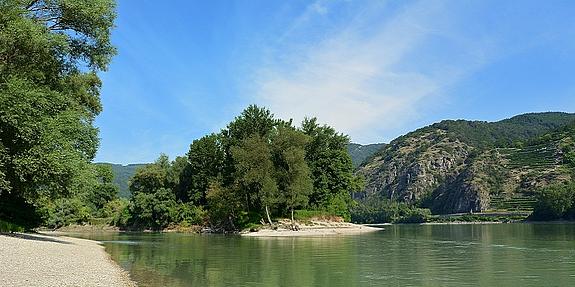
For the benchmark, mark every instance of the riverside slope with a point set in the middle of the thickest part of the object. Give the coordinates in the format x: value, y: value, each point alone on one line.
x: 30, y: 260
x: 462, y: 166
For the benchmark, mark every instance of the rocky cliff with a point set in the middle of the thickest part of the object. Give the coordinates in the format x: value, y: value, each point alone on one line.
x: 462, y: 166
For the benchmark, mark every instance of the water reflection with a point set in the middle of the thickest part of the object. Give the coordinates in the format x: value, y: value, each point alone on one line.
x: 404, y: 255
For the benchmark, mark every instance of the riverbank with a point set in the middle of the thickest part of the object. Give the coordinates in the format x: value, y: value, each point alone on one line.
x: 312, y: 228
x: 49, y: 260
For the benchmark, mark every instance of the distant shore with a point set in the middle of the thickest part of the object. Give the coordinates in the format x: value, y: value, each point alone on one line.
x: 49, y: 260
x: 314, y: 228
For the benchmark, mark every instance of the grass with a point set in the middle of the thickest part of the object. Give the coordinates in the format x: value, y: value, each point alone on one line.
x: 306, y: 215
x: 10, y: 227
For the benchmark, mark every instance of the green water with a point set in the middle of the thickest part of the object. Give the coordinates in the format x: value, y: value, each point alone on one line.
x: 403, y: 255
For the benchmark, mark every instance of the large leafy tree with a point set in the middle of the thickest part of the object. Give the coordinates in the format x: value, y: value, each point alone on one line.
x: 255, y: 173
x: 206, y: 162
x: 153, y: 201
x: 292, y: 172
x: 50, y: 53
x: 329, y: 162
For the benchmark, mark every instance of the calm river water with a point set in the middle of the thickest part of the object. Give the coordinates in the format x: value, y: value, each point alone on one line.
x: 400, y: 255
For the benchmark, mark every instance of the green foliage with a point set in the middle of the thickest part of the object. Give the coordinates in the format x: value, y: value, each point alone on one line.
x: 360, y: 153
x: 254, y: 172
x: 415, y: 215
x: 153, y: 210
x: 66, y: 211
x: 17, y: 211
x: 50, y: 54
x: 329, y: 162
x: 206, y: 163
x: 305, y: 214
x: 555, y: 202
x: 90, y: 194
x: 258, y: 167
x: 122, y: 176
x: 10, y: 227
x: 292, y: 173
x: 224, y: 207
x: 117, y: 212
x: 505, y: 133
x: 376, y: 210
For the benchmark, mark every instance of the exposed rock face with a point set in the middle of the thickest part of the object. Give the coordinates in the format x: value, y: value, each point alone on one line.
x: 449, y: 171
x: 413, y: 169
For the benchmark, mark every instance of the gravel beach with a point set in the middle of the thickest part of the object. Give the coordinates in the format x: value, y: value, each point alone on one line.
x: 47, y: 260
x: 316, y: 228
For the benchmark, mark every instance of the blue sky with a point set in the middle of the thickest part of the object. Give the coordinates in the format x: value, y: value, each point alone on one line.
x: 372, y: 69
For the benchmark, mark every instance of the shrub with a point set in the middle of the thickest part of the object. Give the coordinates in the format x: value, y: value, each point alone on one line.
x: 554, y: 202
x: 415, y: 215
x: 118, y: 212
x: 10, y: 227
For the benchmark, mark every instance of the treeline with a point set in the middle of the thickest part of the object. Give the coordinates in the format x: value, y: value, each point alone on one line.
x: 256, y: 169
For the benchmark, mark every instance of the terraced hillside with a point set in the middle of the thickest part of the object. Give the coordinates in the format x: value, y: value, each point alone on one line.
x: 458, y: 166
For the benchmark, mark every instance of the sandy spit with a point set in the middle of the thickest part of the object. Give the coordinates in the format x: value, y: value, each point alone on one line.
x: 316, y: 229
x: 48, y: 260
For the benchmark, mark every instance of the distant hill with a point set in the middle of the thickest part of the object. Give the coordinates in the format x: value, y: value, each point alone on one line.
x: 122, y: 175
x: 458, y: 166
x: 359, y: 153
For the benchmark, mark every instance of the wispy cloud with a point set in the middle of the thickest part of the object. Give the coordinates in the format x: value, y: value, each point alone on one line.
x: 370, y: 75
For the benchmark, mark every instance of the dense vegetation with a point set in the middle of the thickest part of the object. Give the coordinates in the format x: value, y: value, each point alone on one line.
x: 555, y: 202
x: 256, y: 169
x: 122, y: 176
x: 512, y: 132
x: 50, y: 54
x: 359, y: 153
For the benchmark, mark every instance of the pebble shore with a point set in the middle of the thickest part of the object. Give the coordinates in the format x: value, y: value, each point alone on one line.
x: 48, y: 260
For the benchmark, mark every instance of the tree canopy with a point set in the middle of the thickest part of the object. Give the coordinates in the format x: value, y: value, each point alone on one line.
x: 254, y: 170
x: 50, y: 53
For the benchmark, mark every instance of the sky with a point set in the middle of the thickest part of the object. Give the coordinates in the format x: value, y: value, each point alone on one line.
x: 373, y: 70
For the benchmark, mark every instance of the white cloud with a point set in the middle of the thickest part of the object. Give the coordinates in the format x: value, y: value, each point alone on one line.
x: 364, y: 79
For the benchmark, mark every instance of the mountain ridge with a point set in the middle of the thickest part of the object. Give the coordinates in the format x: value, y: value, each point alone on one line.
x: 459, y: 166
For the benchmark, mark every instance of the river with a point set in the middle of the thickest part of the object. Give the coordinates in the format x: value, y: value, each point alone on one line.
x: 400, y: 255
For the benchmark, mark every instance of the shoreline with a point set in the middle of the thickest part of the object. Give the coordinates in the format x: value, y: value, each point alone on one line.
x: 316, y: 229
x: 44, y: 259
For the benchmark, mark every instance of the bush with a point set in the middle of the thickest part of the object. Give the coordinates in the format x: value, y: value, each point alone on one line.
x: 305, y: 215
x: 117, y: 211
x: 555, y: 202
x: 376, y: 210
x: 17, y: 212
x: 66, y: 211
x: 189, y: 214
x: 339, y: 206
x: 152, y: 210
x: 415, y: 215
x: 10, y: 227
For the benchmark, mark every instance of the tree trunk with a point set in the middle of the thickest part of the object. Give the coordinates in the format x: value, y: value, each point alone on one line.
x: 268, y: 215
x: 293, y: 225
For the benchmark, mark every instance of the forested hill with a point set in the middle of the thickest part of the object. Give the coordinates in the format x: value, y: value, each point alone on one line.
x: 122, y: 175
x: 458, y: 166
x: 359, y: 153
x: 508, y: 132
